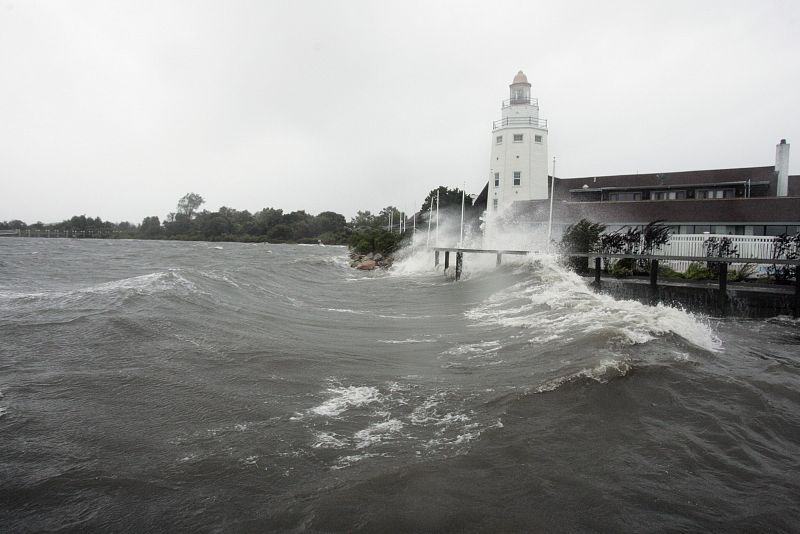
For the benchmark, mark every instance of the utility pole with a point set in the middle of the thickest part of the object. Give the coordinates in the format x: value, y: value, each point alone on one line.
x: 437, y: 217
x: 430, y: 217
x: 461, y: 239
x: 552, y: 194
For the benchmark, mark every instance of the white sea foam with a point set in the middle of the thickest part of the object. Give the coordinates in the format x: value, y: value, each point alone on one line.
x: 328, y: 440
x: 471, y: 349
x: 346, y: 310
x: 602, y: 372
x: 408, y: 340
x: 557, y: 302
x: 220, y: 276
x: 377, y: 432
x: 145, y: 284
x: 345, y: 398
x: 347, y: 461
x: 397, y: 412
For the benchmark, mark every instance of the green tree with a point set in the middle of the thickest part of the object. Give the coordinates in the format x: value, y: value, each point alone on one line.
x: 151, y: 227
x: 366, y: 240
x: 389, y: 213
x: 189, y: 203
x: 328, y: 221
x: 280, y: 232
x: 365, y: 219
x: 583, y: 236
x: 265, y: 219
x: 449, y: 199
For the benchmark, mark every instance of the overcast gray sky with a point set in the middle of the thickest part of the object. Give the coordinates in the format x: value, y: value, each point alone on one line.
x: 117, y: 109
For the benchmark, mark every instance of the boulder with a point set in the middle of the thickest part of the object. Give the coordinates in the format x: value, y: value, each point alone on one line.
x: 367, y: 265
x: 370, y: 256
x: 378, y: 256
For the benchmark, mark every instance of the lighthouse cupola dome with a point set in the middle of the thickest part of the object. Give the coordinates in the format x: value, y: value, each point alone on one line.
x: 520, y: 89
x: 520, y: 78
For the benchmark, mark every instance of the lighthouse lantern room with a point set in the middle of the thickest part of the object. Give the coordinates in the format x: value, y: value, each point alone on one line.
x: 518, y: 166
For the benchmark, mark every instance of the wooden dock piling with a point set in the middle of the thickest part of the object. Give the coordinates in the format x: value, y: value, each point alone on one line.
x: 723, y: 288
x: 796, y: 311
x: 653, y: 281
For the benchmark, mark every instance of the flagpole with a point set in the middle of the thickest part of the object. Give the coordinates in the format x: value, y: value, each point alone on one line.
x: 552, y: 194
x: 437, y: 217
x: 461, y: 239
x: 430, y: 218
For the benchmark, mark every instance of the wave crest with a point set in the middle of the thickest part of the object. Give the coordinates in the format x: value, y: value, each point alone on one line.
x: 558, y: 304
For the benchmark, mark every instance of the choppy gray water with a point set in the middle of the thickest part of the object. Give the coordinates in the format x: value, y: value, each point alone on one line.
x: 236, y: 387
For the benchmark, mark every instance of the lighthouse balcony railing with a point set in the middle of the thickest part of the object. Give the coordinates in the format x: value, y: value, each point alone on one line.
x: 520, y: 122
x: 520, y: 101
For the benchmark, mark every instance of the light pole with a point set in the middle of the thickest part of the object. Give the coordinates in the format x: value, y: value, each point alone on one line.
x: 552, y: 194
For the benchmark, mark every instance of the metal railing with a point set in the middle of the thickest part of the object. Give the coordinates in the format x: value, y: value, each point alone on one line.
x: 519, y: 121
x: 518, y: 101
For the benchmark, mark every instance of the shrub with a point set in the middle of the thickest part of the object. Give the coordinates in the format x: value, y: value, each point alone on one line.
x: 366, y: 240
x: 740, y: 275
x: 719, y: 247
x: 784, y: 247
x: 697, y: 271
x: 621, y: 268
x: 583, y: 236
x: 666, y: 271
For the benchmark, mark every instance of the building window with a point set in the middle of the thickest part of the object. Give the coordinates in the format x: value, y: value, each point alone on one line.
x: 617, y: 197
x: 668, y: 195
x: 497, y: 179
x: 494, y: 204
x: 499, y: 139
x: 517, y: 138
x: 774, y: 229
x: 715, y: 193
x: 517, y: 177
x: 537, y: 138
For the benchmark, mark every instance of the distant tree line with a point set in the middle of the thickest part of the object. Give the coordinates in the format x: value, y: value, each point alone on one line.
x: 189, y: 223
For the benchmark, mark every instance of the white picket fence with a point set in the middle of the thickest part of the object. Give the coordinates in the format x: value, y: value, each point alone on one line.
x: 749, y: 246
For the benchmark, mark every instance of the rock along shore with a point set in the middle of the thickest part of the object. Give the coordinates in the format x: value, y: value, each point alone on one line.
x: 371, y: 261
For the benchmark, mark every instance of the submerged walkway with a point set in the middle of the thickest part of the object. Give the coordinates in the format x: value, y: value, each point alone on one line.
x: 720, y: 288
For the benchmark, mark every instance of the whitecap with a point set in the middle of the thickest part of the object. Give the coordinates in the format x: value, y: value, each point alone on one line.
x: 602, y: 372
x: 345, y: 398
x: 377, y: 432
x: 559, y: 303
x: 403, y: 341
x: 328, y: 440
x: 347, y: 461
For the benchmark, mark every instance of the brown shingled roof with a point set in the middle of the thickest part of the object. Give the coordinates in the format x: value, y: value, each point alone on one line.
x: 669, y: 180
x: 734, y: 210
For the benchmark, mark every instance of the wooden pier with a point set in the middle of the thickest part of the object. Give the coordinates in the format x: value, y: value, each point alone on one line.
x: 461, y: 251
x: 653, y: 259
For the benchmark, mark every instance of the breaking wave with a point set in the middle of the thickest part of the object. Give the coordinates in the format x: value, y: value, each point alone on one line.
x: 555, y: 304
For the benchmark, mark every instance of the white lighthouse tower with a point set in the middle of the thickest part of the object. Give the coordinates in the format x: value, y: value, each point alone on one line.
x: 518, y: 168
